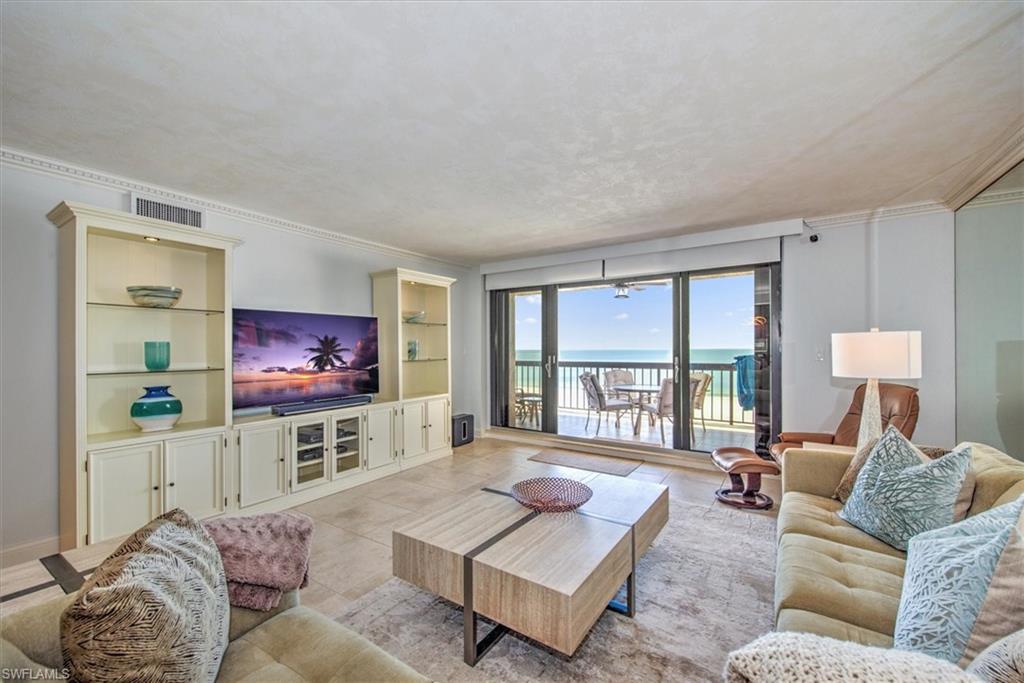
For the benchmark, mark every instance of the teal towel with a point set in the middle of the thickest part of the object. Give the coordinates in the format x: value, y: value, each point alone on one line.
x: 745, y: 381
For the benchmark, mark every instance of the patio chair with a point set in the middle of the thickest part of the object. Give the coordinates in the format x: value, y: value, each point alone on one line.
x: 661, y: 408
x: 616, y: 377
x: 599, y: 403
x: 697, y: 398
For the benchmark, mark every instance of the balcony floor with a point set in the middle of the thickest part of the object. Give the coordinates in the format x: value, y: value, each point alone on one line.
x: 717, y: 434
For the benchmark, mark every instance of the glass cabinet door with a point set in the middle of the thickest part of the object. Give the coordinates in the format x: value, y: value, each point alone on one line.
x: 310, y: 449
x: 346, y: 444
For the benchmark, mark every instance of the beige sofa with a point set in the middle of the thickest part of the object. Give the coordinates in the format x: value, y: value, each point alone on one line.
x: 289, y: 643
x: 833, y: 579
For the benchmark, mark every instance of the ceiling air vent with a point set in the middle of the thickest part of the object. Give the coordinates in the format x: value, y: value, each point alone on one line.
x: 153, y: 208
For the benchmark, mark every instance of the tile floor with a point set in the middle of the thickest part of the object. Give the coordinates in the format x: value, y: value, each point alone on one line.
x: 351, y: 552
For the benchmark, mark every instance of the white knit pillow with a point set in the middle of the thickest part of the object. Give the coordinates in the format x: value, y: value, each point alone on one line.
x: 1002, y: 661
x: 807, y: 658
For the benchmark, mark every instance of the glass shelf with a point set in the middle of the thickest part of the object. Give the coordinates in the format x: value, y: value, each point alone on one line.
x: 205, y: 311
x: 143, y: 371
x: 425, y: 324
x: 423, y: 360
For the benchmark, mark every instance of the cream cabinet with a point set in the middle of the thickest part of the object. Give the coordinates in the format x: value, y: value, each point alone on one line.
x: 437, y: 424
x: 101, y: 356
x: 414, y: 429
x: 346, y: 443
x: 380, y: 437
x: 124, y: 489
x: 413, y: 312
x: 194, y: 475
x: 310, y: 451
x: 262, y: 451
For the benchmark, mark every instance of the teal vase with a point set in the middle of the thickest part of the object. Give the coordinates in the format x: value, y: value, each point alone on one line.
x: 158, y: 409
x: 158, y: 355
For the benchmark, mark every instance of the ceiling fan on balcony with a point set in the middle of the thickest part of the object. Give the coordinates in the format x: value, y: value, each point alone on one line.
x: 622, y: 289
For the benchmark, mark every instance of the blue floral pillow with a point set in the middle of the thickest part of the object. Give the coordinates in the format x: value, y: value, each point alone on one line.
x: 896, y: 496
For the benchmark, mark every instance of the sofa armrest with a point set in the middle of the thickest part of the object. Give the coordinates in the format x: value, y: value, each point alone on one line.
x: 244, y: 620
x: 35, y: 631
x: 801, y: 437
x: 813, y: 471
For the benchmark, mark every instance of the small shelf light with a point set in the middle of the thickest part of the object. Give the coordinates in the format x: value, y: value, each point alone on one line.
x: 621, y: 292
x: 150, y: 238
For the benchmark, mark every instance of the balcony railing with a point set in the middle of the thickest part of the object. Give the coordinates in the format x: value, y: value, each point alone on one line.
x: 720, y: 404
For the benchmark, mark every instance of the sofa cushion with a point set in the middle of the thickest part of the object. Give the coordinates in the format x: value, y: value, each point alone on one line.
x: 964, y: 586
x: 857, y: 586
x: 302, y: 645
x: 811, y: 515
x: 812, y: 622
x: 896, y: 496
x: 156, y: 609
x: 999, y: 478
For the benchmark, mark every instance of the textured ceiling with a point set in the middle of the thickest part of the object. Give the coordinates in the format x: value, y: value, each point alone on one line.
x: 478, y: 131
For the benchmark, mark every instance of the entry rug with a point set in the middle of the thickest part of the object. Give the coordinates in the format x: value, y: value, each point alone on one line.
x: 695, y: 602
x: 586, y: 461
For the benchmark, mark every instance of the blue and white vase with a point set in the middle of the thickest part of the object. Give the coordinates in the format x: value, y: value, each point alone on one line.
x: 157, y: 410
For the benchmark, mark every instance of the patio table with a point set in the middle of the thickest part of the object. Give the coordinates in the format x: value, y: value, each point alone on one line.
x: 641, y: 390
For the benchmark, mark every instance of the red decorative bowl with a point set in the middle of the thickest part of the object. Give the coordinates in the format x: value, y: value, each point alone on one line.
x: 551, y: 494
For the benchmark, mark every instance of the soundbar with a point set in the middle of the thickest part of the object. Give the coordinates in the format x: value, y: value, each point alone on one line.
x: 321, y: 404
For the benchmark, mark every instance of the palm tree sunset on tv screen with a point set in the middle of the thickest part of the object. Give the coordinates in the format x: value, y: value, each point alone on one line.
x: 282, y: 357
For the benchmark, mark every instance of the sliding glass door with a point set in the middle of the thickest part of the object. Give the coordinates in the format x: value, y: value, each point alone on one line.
x: 524, y: 375
x: 687, y: 361
x: 732, y: 351
x: 615, y: 351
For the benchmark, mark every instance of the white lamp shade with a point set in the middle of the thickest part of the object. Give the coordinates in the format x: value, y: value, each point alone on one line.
x: 877, y: 355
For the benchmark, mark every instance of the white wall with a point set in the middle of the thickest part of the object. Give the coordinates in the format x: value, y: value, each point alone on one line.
x: 273, y: 269
x: 896, y: 274
x: 990, y: 325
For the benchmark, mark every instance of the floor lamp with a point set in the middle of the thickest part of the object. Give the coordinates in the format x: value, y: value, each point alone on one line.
x: 873, y: 356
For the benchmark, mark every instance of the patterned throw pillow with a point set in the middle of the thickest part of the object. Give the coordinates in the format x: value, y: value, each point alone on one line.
x: 1002, y: 661
x: 925, y: 454
x: 155, y: 610
x: 896, y: 496
x: 963, y: 587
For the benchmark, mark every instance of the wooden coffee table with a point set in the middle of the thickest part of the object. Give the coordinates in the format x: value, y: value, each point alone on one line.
x: 546, y: 576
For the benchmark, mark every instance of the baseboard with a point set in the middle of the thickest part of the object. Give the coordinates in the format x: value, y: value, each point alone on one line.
x: 652, y: 454
x: 26, y: 552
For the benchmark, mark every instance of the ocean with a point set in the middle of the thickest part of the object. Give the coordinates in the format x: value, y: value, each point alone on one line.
x: 636, y: 355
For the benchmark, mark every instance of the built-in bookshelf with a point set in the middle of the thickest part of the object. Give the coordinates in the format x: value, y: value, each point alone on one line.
x: 102, y: 335
x: 413, y: 312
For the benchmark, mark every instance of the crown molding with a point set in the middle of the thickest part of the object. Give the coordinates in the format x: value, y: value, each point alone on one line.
x: 993, y: 198
x: 54, y: 167
x: 1006, y: 153
x: 881, y: 213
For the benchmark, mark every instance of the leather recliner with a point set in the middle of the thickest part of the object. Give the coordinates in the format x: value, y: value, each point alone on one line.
x: 899, y: 404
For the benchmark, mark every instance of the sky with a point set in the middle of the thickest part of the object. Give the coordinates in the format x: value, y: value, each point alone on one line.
x: 721, y: 310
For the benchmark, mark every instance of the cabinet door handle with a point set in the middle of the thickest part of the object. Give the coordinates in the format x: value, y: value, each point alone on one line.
x: 171, y: 484
x: 156, y: 488
x: 370, y: 438
x: 281, y: 460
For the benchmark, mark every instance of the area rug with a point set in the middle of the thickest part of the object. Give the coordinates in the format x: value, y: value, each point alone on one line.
x: 585, y: 461
x: 704, y: 588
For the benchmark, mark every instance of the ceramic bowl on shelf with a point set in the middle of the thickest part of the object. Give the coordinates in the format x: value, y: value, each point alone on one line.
x: 154, y: 296
x: 414, y: 316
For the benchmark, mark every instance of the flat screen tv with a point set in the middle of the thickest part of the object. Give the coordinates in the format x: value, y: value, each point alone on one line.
x: 282, y: 357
